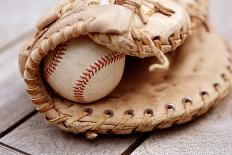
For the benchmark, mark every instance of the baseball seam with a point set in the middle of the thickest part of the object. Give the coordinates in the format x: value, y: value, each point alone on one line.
x: 98, y: 65
x: 56, y: 59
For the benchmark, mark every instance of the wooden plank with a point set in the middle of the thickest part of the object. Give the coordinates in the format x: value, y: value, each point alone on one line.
x: 14, y: 103
x: 221, y: 17
x: 36, y: 137
x: 18, y: 17
x: 206, y: 135
x: 8, y: 151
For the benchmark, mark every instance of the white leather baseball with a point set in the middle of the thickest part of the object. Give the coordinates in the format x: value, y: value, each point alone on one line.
x: 83, y: 71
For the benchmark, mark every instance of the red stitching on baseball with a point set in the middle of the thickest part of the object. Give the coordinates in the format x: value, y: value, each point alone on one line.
x: 79, y: 88
x: 58, y: 54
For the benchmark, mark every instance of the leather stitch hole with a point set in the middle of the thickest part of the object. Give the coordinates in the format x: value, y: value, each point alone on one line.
x: 216, y: 86
x: 224, y: 77
x: 130, y: 113
x: 229, y: 68
x: 204, y: 93
x: 170, y: 106
x: 172, y: 36
x: 89, y: 111
x: 172, y: 41
x: 157, y: 41
x: 187, y: 100
x: 109, y: 113
x: 149, y: 112
x: 182, y: 29
x: 230, y: 60
x: 182, y: 33
x: 28, y: 48
x: 156, y: 38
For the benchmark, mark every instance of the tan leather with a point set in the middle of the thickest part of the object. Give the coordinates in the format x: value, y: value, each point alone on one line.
x: 151, y: 27
x: 198, y: 11
x: 199, y: 78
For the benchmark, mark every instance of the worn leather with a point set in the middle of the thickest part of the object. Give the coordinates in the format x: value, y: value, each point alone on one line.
x: 198, y: 11
x: 151, y: 27
x: 199, y: 78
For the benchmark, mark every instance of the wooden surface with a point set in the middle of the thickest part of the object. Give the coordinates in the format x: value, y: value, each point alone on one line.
x: 15, y: 104
x: 18, y: 18
x: 221, y: 11
x: 22, y: 129
x: 54, y: 141
x: 16, y: 22
x: 206, y: 135
x: 6, y: 150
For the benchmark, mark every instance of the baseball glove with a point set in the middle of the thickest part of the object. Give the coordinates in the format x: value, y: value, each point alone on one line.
x: 198, y: 11
x: 199, y: 77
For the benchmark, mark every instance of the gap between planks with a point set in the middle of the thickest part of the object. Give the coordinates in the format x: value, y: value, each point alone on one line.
x: 7, y: 150
x: 13, y: 106
x: 14, y: 103
x: 11, y: 128
x: 52, y: 140
x: 137, y: 143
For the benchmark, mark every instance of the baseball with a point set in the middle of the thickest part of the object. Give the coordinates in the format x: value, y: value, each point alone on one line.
x: 83, y: 71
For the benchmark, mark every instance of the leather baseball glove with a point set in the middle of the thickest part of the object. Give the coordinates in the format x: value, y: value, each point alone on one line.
x: 199, y: 77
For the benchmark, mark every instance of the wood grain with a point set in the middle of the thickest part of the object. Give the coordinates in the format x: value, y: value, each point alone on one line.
x: 14, y: 103
x: 206, y: 135
x: 221, y: 17
x: 18, y: 17
x: 8, y: 151
x: 36, y: 137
